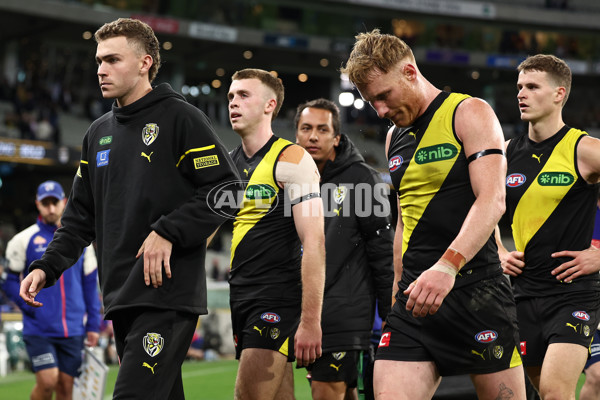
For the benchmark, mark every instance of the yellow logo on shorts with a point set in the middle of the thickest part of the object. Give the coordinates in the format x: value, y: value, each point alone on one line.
x: 336, y: 367
x: 150, y: 367
x: 153, y: 343
x: 479, y: 354
x: 275, y: 333
x: 206, y: 161
x: 498, y: 352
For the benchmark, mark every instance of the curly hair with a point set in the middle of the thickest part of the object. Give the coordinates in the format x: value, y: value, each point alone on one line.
x: 139, y: 35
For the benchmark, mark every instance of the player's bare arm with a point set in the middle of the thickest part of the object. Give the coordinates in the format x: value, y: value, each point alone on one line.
x: 297, y: 173
x: 479, y: 129
x: 512, y: 262
x: 585, y: 262
x: 397, y: 249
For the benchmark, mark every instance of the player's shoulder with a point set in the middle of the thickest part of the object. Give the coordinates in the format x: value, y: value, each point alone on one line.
x: 292, y: 154
x: 25, y: 234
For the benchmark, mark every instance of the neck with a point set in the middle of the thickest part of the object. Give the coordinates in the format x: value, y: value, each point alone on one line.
x: 544, y: 128
x: 134, y: 95
x: 255, y: 140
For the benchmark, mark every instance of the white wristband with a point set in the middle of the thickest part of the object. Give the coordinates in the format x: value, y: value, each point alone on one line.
x: 445, y: 269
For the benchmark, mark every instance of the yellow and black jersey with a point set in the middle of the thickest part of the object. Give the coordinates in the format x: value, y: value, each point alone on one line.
x: 429, y: 170
x: 265, y: 248
x: 551, y: 208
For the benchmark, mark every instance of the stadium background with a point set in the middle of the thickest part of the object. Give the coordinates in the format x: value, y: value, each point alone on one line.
x: 49, y: 93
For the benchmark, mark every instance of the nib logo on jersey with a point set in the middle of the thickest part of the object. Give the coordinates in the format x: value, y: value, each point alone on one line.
x: 242, y: 199
x: 555, y: 179
x: 439, y: 152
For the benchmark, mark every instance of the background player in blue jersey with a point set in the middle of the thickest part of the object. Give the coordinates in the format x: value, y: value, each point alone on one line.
x: 552, y: 187
x: 454, y: 312
x: 54, y: 335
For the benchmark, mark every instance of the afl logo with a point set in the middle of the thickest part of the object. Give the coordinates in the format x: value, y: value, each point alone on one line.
x: 486, y: 336
x: 395, y: 163
x: 270, y: 317
x: 514, y: 180
x: 582, y: 315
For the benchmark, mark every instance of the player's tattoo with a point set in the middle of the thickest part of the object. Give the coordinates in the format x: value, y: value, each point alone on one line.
x: 505, y: 393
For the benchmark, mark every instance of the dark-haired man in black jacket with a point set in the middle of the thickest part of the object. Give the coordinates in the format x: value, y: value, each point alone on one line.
x: 358, y: 243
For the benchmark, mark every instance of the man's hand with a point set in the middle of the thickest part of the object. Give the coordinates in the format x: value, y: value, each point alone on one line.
x: 157, y: 252
x: 92, y: 339
x: 31, y: 286
x: 426, y: 294
x: 585, y: 262
x: 307, y: 343
x: 512, y: 262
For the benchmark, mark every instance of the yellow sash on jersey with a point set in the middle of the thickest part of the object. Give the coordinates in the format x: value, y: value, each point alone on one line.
x: 540, y: 200
x: 255, y: 207
x: 421, y: 181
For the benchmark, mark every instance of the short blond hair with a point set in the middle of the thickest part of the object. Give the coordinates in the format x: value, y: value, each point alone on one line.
x: 374, y: 50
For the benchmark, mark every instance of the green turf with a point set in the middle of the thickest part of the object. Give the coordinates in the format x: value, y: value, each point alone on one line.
x: 202, y: 380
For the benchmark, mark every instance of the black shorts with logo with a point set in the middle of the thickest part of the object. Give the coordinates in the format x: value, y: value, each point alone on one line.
x: 265, y: 324
x: 568, y: 318
x: 337, y: 366
x: 152, y: 345
x: 473, y: 332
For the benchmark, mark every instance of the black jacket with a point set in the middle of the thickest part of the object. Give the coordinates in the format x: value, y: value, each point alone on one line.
x: 147, y: 166
x: 358, y: 243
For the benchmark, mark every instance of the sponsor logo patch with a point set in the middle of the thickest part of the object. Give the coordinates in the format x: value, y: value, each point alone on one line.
x: 153, y: 343
x: 487, y: 336
x: 515, y: 180
x: 105, y: 140
x: 260, y: 192
x: 270, y: 317
x: 439, y: 152
x: 39, y: 240
x: 149, y: 133
x: 42, y: 359
x: 523, y: 346
x: 150, y: 367
x: 102, y: 158
x: 395, y: 163
x: 582, y: 315
x: 555, y: 179
x: 385, y: 339
x: 206, y: 161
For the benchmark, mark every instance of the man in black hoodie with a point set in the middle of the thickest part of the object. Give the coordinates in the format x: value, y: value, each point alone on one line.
x: 358, y: 243
x: 141, y: 192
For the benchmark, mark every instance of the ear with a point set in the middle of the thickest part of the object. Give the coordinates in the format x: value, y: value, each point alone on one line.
x: 147, y: 62
x: 560, y: 94
x: 409, y: 71
x: 270, y: 105
x: 336, y: 140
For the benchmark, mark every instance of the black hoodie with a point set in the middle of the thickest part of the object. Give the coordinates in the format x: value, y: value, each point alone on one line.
x: 146, y: 166
x: 358, y: 243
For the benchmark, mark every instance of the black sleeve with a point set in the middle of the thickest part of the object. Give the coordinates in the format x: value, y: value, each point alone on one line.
x: 378, y: 234
x: 77, y: 229
x: 205, y: 161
